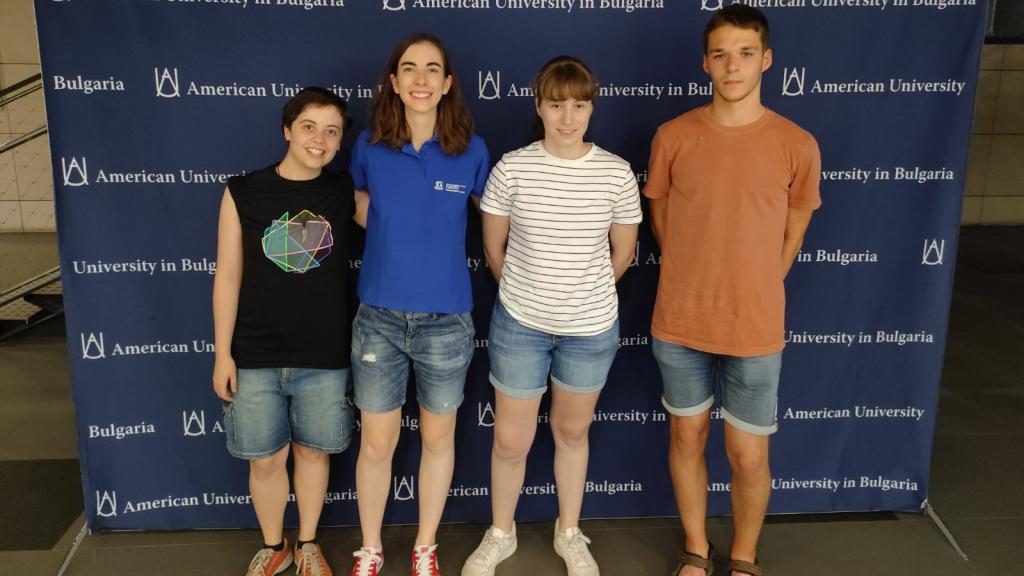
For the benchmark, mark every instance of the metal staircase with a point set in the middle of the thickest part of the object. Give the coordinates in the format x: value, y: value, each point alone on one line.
x: 37, y: 299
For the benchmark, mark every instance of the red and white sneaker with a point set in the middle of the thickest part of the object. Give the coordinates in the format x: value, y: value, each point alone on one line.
x: 368, y: 561
x: 424, y: 561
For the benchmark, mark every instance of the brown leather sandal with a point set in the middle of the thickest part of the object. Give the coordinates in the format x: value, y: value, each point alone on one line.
x: 744, y: 568
x: 690, y: 559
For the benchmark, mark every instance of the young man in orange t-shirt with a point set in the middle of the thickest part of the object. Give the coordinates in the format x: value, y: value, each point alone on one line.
x: 732, y: 188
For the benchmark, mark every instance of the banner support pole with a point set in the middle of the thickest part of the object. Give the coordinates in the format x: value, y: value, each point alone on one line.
x: 927, y: 507
x: 74, y: 548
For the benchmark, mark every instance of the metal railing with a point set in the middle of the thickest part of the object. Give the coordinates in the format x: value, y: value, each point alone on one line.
x: 15, y: 92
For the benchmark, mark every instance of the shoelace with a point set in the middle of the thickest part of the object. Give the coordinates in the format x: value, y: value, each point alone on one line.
x: 309, y: 559
x: 367, y: 560
x: 489, y: 549
x: 260, y: 561
x: 424, y: 560
x: 576, y: 546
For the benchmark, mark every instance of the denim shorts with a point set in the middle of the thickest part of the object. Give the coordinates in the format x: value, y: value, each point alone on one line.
x: 385, y: 341
x: 275, y: 406
x: 522, y: 358
x: 749, y: 385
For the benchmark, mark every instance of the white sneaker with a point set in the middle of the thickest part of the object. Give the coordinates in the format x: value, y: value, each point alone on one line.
x: 571, y: 545
x: 493, y: 549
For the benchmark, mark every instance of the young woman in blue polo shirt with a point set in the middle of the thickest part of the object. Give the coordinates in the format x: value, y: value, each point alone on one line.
x: 414, y: 173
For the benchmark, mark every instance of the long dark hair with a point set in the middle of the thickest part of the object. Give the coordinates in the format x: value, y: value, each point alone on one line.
x: 454, y: 122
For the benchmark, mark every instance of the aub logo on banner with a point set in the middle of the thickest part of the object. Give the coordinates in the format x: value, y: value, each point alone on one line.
x: 76, y: 172
x: 106, y: 504
x: 394, y: 5
x: 711, y: 5
x: 166, y: 83
x: 92, y: 347
x: 404, y: 488
x: 793, y: 81
x: 193, y: 423
x: 489, y: 85
x: 485, y: 415
x: 933, y: 252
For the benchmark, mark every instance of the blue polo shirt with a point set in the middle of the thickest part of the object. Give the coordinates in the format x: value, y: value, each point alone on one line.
x: 415, y: 255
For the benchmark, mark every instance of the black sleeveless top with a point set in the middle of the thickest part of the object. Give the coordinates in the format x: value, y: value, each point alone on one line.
x: 294, y: 306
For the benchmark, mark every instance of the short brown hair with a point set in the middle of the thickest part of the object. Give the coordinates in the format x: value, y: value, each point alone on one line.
x: 313, y: 96
x: 564, y: 77
x: 740, y: 16
x: 454, y: 122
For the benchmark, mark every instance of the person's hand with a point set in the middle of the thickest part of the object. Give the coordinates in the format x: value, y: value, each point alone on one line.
x: 225, y: 378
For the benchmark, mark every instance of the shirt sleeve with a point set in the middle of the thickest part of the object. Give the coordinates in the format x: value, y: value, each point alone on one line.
x: 483, y: 163
x: 626, y: 209
x: 804, y: 191
x: 357, y: 166
x: 497, y: 199
x: 659, y: 168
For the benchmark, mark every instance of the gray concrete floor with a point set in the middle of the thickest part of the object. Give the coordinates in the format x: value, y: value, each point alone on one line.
x: 977, y: 487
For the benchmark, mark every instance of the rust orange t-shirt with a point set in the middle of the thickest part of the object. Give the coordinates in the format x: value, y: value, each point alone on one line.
x: 728, y: 191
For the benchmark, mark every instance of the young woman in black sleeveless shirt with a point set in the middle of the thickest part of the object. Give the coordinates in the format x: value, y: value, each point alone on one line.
x: 281, y: 316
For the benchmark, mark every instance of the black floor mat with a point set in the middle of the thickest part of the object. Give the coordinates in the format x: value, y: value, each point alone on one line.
x: 41, y: 499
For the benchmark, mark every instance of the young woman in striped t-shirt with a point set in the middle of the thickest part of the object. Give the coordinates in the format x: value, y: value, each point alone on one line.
x: 560, y: 223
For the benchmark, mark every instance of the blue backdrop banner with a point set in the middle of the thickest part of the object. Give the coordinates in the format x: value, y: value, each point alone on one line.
x: 152, y: 104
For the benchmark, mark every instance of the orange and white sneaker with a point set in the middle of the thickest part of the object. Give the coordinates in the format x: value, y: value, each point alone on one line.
x: 368, y: 561
x: 424, y: 561
x: 310, y: 561
x: 268, y: 562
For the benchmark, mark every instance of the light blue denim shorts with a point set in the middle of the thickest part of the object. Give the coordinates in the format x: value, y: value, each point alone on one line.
x: 385, y: 341
x: 522, y: 358
x: 276, y: 406
x: 749, y: 385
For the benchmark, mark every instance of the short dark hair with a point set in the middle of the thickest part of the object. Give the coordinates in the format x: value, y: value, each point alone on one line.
x: 740, y: 16
x: 313, y: 96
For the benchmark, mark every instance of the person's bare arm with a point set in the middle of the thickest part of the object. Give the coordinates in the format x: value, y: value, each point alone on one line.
x: 362, y: 198
x: 226, y: 285
x: 797, y: 221
x: 622, y: 240
x: 495, y: 241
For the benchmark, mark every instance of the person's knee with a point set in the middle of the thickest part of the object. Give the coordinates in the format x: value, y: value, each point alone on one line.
x: 377, y: 448
x: 438, y: 444
x: 308, y: 455
x: 748, y: 460
x: 570, y: 434
x: 690, y: 436
x: 511, y: 446
x: 270, y: 466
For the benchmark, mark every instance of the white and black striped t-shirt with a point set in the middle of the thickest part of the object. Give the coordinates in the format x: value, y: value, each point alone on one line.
x: 558, y: 276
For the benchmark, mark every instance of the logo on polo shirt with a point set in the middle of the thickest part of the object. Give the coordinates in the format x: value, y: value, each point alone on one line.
x: 933, y: 251
x: 442, y: 186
